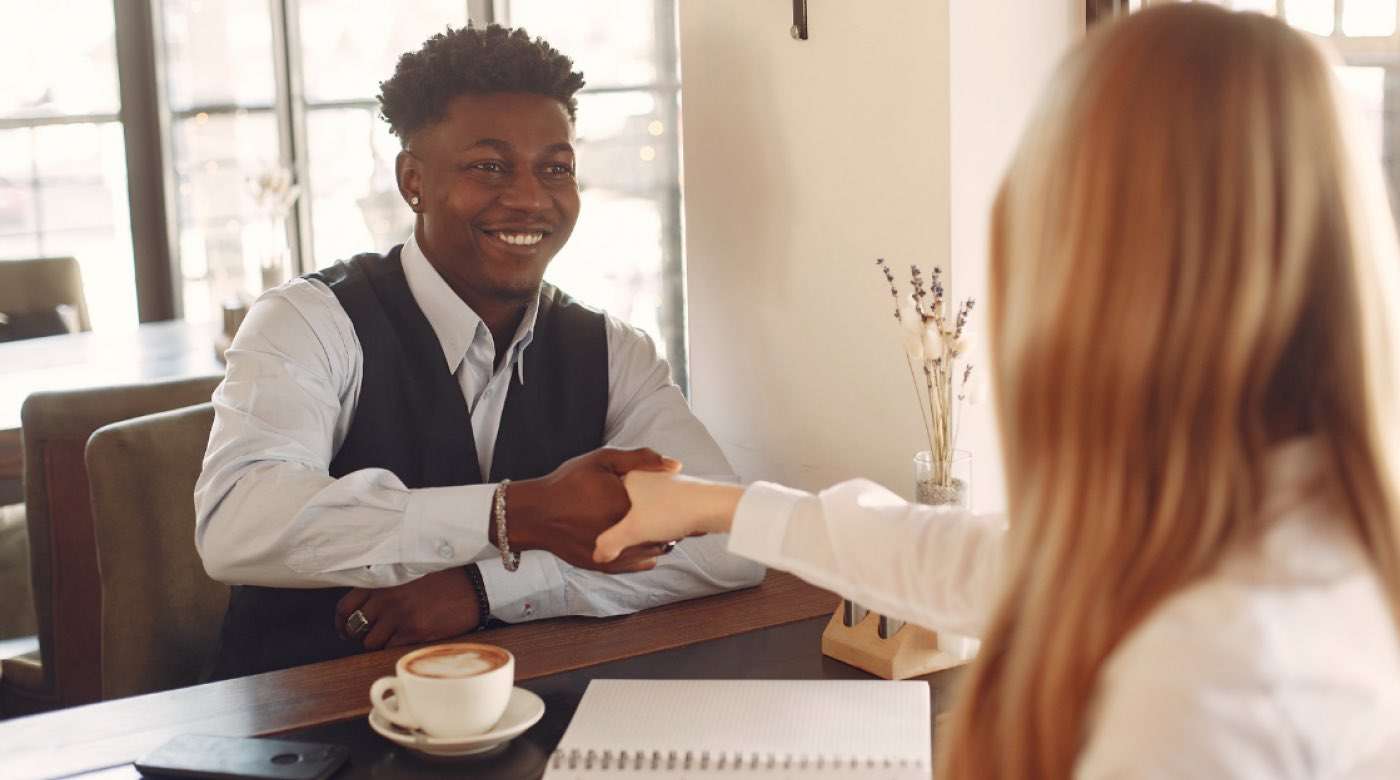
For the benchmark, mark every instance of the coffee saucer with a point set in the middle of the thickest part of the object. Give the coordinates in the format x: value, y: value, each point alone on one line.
x: 522, y: 711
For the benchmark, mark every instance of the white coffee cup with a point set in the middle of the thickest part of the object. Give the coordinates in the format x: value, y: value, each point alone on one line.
x: 453, y: 690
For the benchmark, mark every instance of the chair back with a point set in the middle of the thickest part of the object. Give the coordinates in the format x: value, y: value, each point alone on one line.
x: 160, y: 611
x: 41, y: 284
x: 62, y: 547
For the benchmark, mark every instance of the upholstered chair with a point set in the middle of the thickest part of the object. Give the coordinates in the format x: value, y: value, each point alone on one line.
x: 160, y: 612
x: 40, y: 285
x: 62, y: 547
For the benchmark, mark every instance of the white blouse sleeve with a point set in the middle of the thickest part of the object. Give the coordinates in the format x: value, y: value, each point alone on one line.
x: 932, y: 566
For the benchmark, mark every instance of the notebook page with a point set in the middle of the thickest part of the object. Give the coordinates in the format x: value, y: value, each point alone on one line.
x: 782, y: 723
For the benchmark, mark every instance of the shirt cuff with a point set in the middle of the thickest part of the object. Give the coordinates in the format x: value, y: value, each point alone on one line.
x: 447, y: 525
x: 531, y: 592
x: 761, y: 521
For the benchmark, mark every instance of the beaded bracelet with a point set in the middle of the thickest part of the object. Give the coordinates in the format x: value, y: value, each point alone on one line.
x: 510, y: 560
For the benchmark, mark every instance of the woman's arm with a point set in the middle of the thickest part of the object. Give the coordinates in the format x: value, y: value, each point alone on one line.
x: 937, y: 567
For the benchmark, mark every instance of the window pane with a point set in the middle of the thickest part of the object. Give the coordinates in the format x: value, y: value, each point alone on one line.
x: 624, y: 142
x: 19, y: 226
x: 1315, y: 16
x: 348, y: 48
x: 613, y: 46
x: 1366, y: 88
x: 79, y: 208
x: 63, y: 186
x: 1368, y: 17
x: 218, y: 52
x: 225, y: 235
x: 614, y: 260
x: 355, y: 202
x: 60, y: 57
x: 1269, y: 7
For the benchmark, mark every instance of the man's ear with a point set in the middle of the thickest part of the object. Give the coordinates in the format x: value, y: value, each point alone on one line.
x: 408, y: 170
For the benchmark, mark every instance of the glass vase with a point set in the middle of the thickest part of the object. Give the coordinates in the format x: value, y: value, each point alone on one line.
x: 275, y: 259
x: 939, y: 483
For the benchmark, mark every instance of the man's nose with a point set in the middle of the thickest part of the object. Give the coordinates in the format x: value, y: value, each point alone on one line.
x: 525, y: 192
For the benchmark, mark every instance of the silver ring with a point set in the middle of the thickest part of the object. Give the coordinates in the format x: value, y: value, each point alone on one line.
x: 667, y: 547
x: 357, y: 624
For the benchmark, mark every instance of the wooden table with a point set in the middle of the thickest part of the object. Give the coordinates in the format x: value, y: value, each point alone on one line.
x: 790, y: 651
x: 108, y: 736
x: 153, y: 351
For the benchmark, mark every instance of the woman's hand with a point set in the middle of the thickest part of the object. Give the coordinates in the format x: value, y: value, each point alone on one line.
x: 564, y: 511
x: 667, y: 507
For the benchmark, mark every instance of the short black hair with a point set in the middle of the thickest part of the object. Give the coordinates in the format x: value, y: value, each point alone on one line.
x: 473, y: 61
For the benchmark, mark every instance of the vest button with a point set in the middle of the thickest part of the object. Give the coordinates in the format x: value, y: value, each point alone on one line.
x: 445, y: 550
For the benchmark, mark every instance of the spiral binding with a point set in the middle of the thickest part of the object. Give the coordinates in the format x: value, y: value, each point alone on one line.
x: 671, y: 760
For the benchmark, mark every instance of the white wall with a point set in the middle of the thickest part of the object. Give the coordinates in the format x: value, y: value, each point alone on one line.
x: 1002, y: 54
x: 804, y: 161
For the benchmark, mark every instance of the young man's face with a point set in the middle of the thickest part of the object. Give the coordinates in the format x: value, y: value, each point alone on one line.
x: 498, y: 196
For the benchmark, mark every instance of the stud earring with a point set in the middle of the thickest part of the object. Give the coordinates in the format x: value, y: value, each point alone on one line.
x: 413, y: 201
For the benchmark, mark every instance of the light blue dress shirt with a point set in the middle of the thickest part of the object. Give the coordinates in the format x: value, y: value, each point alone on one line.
x: 268, y: 513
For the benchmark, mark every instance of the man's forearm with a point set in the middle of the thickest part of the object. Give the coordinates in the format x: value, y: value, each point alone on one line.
x: 284, y: 525
x: 697, y: 567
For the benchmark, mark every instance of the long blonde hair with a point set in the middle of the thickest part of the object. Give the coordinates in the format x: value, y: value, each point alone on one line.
x: 1191, y: 260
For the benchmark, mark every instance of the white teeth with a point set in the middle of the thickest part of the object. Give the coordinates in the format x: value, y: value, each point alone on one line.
x: 521, y: 239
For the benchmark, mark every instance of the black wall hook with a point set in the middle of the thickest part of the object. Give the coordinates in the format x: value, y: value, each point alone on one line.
x: 799, y: 19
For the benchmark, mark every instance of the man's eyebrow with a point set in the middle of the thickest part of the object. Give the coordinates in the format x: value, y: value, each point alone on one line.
x: 494, y: 143
x: 505, y: 147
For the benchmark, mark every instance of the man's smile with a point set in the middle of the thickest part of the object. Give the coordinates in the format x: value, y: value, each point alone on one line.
x: 517, y: 237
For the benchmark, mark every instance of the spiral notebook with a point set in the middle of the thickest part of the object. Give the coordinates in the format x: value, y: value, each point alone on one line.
x: 748, y: 728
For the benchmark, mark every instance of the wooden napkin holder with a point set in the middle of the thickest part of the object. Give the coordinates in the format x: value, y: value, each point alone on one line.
x: 911, y: 652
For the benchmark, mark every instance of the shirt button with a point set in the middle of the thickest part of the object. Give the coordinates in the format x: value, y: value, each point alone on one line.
x: 445, y: 551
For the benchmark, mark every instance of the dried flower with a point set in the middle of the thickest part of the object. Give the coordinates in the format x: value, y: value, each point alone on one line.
x: 974, y: 388
x: 933, y: 338
x: 963, y: 312
x: 913, y: 346
x: 916, y: 281
x: 934, y: 345
x: 889, y: 277
x: 274, y: 190
x: 954, y: 345
x: 909, y: 316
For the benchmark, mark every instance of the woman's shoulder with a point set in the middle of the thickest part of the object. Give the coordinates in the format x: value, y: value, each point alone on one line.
x: 1270, y: 665
x: 1275, y: 633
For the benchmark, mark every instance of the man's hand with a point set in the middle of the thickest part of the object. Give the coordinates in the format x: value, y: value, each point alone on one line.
x: 436, y: 606
x: 565, y: 511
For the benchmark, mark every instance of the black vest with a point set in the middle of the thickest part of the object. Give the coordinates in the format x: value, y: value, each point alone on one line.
x: 411, y: 419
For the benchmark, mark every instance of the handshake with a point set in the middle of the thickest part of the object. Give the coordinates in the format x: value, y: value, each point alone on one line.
x: 615, y: 511
x: 610, y: 510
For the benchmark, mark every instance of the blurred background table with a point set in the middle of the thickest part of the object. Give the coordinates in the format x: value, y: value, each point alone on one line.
x: 153, y: 351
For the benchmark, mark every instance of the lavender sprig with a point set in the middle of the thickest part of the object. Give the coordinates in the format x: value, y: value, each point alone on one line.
x: 894, y: 291
x: 916, y: 281
x: 963, y: 312
x: 934, y: 346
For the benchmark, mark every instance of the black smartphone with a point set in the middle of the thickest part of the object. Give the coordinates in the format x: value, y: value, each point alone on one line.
x: 242, y: 758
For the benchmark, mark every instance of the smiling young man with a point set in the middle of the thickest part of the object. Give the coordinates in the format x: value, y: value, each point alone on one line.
x: 407, y: 444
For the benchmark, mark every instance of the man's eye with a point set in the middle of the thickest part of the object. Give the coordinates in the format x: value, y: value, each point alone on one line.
x: 488, y: 167
x: 559, y: 169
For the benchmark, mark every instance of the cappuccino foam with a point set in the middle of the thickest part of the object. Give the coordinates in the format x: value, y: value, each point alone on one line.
x: 465, y: 663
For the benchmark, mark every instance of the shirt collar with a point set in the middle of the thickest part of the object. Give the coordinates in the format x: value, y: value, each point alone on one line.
x: 456, y: 325
x: 1304, y: 537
